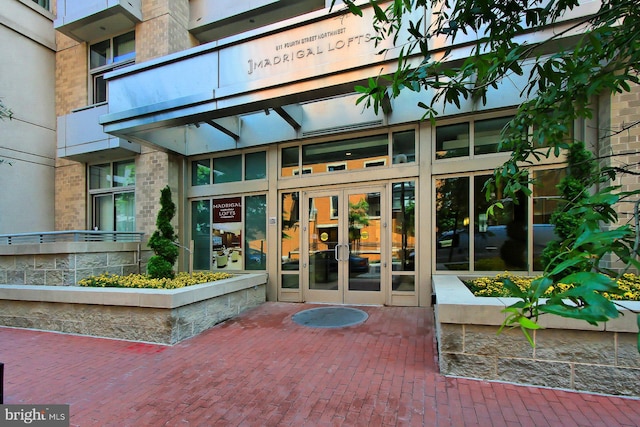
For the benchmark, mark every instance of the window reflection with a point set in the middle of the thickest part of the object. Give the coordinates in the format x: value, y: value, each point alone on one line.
x: 452, y: 141
x: 255, y: 228
x: 487, y: 134
x: 201, y: 234
x: 404, y: 147
x: 290, y: 239
x: 500, y: 241
x: 546, y: 199
x: 452, y: 223
x: 403, y: 226
x: 227, y: 169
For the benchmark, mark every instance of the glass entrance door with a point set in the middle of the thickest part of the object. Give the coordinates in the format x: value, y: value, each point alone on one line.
x: 343, y: 242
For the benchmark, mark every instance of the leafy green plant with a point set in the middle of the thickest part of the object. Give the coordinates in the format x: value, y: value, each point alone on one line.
x: 163, y: 240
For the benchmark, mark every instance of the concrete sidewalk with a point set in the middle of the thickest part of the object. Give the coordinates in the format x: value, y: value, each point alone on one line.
x: 262, y: 369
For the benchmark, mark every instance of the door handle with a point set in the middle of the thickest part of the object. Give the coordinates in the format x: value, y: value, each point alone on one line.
x: 336, y: 255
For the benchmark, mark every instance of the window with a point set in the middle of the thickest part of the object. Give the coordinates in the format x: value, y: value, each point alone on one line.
x: 44, y: 3
x: 468, y: 239
x: 229, y: 233
x: 403, y: 235
x: 226, y: 169
x: 350, y: 154
x: 112, y: 193
x: 458, y: 139
x: 105, y: 56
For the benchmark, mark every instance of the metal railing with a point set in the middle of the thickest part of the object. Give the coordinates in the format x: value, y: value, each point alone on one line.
x: 70, y: 236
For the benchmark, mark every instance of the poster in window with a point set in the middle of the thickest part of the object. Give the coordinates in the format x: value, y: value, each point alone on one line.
x: 226, y: 234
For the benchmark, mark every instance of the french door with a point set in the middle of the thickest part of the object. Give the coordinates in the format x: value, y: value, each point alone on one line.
x: 343, y: 257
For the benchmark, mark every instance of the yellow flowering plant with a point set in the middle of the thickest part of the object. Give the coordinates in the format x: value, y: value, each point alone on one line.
x: 628, y: 285
x: 181, y: 280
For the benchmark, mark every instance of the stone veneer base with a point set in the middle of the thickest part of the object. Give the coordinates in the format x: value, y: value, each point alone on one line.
x: 568, y: 354
x: 148, y: 315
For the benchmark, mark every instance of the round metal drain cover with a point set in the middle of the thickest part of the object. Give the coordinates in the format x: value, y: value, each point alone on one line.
x: 330, y: 317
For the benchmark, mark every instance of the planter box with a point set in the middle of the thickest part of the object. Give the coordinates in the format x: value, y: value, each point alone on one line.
x: 149, y: 315
x: 568, y: 354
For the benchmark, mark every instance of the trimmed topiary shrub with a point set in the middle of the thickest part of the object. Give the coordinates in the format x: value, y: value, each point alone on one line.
x: 163, y: 240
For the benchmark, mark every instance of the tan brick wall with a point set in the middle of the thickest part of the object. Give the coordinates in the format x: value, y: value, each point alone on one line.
x: 164, y: 30
x: 71, y: 200
x: 154, y: 170
x: 619, y: 129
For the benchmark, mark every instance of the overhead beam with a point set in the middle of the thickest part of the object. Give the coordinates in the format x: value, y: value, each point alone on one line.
x: 222, y: 129
x: 288, y: 118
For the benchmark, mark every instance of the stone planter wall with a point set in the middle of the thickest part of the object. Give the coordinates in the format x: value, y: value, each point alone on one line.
x: 149, y: 315
x: 65, y: 263
x: 568, y: 354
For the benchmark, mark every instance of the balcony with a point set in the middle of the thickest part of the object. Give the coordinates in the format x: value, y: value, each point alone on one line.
x: 80, y: 137
x: 86, y: 20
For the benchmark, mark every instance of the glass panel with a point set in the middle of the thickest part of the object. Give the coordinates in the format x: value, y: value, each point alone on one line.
x: 364, y: 243
x: 99, y: 89
x: 255, y: 166
x: 100, y: 176
x: 125, y: 211
x: 404, y: 147
x: 452, y: 223
x: 323, y: 238
x: 403, y: 283
x: 290, y: 166
x: 403, y: 226
x: 227, y: 169
x: 487, y: 135
x: 256, y: 232
x: 100, y: 54
x: 452, y: 141
x: 290, y: 225
x: 103, y: 212
x: 43, y: 3
x: 500, y: 240
x: 351, y: 154
x: 290, y: 281
x: 201, y: 172
x: 124, y: 47
x: 546, y: 198
x: 200, y: 233
x: 125, y: 174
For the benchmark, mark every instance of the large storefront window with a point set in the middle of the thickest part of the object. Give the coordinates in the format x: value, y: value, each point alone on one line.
x: 112, y: 192
x: 500, y: 241
x: 229, y: 233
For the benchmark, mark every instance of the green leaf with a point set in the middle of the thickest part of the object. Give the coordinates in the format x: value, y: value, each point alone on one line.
x: 528, y: 323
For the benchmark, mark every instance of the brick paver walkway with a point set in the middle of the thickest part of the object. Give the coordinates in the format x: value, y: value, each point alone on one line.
x: 261, y: 369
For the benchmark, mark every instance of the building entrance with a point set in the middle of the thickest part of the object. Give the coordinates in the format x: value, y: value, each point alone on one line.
x: 343, y: 256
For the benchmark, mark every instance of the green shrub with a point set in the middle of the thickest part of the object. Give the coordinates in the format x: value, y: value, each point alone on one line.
x: 163, y: 240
